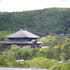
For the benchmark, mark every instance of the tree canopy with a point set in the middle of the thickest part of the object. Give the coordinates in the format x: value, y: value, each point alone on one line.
x: 42, y: 22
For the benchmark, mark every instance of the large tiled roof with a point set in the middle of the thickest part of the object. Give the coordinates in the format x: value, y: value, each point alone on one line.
x: 22, y: 34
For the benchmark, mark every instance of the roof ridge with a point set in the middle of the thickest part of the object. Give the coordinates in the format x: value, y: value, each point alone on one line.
x: 23, y: 33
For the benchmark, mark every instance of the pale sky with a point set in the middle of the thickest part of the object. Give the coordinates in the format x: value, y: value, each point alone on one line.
x: 24, y: 5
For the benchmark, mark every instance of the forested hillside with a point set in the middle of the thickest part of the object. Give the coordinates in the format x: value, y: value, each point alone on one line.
x: 42, y: 22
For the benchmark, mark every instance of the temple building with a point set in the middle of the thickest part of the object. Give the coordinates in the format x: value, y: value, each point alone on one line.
x: 23, y: 38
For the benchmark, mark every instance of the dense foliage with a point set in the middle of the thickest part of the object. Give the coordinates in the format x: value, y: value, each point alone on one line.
x: 57, y: 49
x: 40, y: 62
x: 63, y: 66
x: 42, y: 22
x: 7, y: 60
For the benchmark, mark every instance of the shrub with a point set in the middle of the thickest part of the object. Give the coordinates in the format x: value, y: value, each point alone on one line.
x: 63, y: 66
x: 7, y: 60
x: 40, y: 62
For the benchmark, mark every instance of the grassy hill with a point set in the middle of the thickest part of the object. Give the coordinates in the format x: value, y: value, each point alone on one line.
x: 42, y: 22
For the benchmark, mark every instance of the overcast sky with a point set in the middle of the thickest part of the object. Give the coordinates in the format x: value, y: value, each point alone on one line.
x: 23, y: 5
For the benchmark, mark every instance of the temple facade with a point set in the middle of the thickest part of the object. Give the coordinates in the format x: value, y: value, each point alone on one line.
x: 23, y: 38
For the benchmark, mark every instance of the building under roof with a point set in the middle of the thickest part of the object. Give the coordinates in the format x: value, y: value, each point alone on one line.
x: 23, y: 38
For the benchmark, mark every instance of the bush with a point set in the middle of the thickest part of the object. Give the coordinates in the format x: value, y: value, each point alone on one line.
x: 7, y: 60
x: 23, y: 53
x: 40, y: 62
x: 50, y: 52
x: 28, y: 53
x: 63, y: 66
x: 42, y: 52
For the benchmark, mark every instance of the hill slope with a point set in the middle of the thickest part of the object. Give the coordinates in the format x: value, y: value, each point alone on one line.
x: 52, y: 20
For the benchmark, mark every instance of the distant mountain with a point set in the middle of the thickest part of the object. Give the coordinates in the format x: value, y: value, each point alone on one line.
x: 52, y: 20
